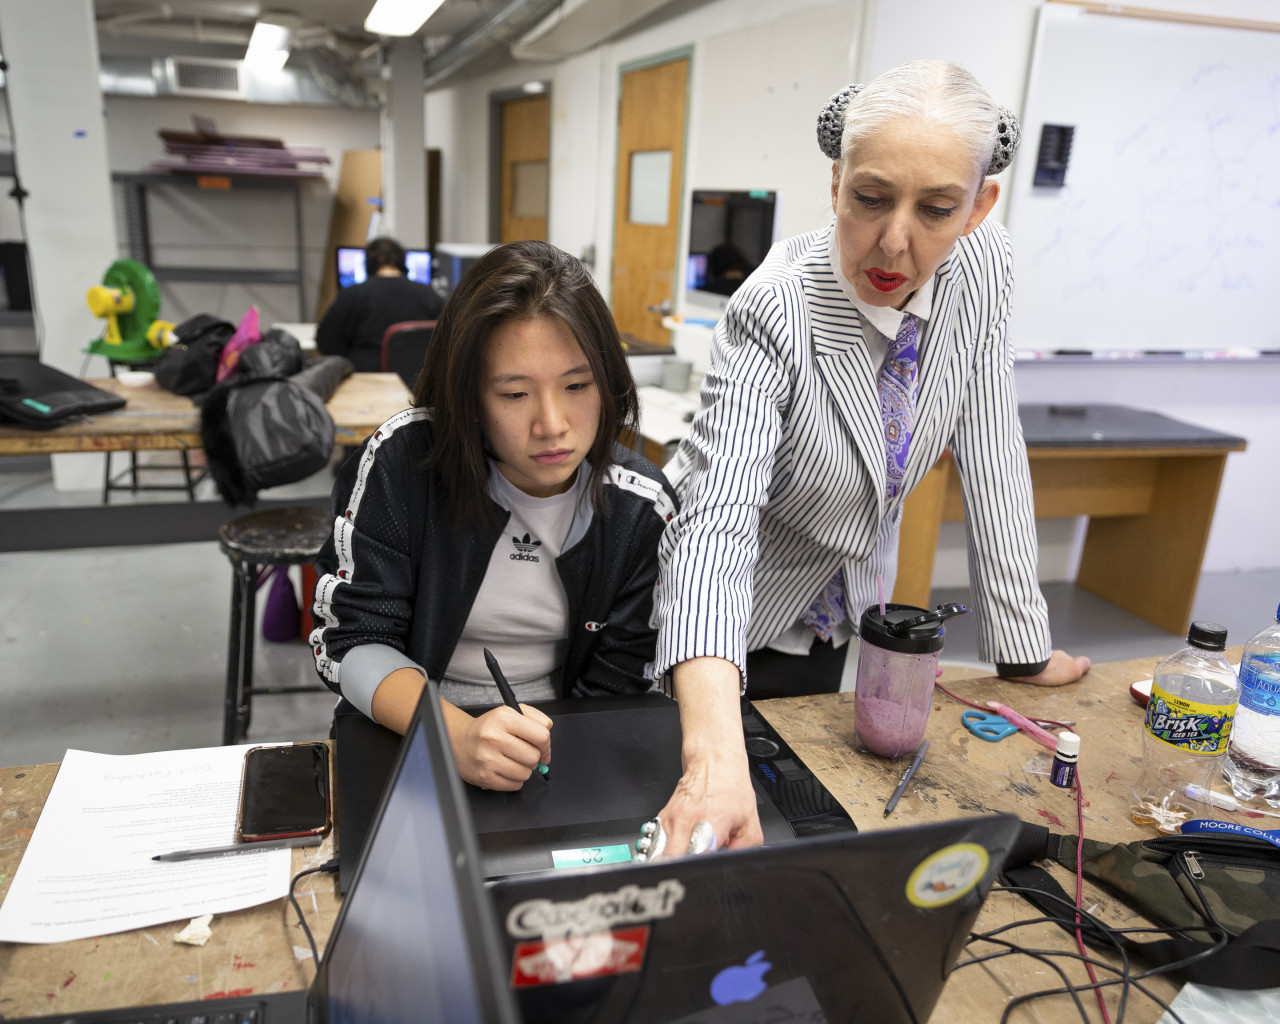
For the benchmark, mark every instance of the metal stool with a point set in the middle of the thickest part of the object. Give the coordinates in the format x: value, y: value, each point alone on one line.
x: 279, y: 536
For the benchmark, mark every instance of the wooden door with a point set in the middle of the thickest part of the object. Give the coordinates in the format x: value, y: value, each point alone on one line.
x: 526, y: 148
x: 646, y: 222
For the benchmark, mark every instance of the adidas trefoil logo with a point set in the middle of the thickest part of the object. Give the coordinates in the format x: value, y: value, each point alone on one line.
x: 525, y: 549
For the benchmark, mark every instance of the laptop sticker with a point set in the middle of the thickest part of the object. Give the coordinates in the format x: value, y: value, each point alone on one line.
x: 742, y: 982
x: 792, y: 1000
x: 576, y: 957
x: 943, y: 877
x: 632, y: 904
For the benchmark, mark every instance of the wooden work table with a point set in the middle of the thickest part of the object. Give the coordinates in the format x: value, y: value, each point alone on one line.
x: 157, y: 420
x: 962, y: 776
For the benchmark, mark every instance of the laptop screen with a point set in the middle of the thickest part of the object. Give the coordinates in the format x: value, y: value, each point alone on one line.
x: 351, y: 268
x: 410, y: 944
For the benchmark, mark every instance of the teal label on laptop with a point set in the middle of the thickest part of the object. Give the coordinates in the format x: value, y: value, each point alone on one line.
x: 589, y: 855
x: 38, y: 406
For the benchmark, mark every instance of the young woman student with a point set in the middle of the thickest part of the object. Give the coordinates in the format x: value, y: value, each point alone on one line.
x: 497, y: 512
x: 843, y: 367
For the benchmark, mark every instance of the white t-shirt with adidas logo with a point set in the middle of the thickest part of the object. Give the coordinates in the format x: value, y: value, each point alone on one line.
x: 521, y: 612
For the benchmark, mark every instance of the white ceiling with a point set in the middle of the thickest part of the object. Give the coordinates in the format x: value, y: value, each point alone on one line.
x: 148, y: 18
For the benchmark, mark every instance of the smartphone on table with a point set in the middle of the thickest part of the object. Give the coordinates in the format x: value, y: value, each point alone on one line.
x: 284, y: 792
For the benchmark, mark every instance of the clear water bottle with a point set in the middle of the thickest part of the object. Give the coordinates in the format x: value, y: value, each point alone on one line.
x: 1188, y: 725
x: 1253, y: 756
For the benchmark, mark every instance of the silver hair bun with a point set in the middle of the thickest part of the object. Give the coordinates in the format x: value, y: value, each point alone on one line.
x: 831, y: 130
x: 831, y: 121
x: 1008, y: 135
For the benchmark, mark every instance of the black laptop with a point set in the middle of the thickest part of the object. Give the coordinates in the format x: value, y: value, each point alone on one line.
x: 415, y: 939
x: 615, y: 763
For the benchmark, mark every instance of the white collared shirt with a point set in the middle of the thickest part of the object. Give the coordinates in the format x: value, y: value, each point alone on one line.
x: 880, y: 324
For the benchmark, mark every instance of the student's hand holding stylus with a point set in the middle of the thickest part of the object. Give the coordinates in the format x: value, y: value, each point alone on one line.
x: 716, y: 782
x: 501, y: 748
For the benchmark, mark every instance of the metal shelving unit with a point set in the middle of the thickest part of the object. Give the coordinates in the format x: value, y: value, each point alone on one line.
x: 138, y: 227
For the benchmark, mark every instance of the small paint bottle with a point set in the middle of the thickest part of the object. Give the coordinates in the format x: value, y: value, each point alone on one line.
x: 1063, y: 772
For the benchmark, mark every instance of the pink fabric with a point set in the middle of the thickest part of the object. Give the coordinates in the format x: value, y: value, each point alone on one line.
x: 247, y: 333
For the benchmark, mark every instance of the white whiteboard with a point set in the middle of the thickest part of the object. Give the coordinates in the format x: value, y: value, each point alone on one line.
x: 1166, y: 235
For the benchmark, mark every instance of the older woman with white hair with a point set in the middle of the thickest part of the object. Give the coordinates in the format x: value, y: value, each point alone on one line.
x: 842, y: 369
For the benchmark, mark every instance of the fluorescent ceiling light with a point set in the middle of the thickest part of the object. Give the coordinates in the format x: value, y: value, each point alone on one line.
x: 399, y: 17
x: 269, y: 43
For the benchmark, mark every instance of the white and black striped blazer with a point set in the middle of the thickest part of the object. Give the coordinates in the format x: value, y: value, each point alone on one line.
x: 782, y: 477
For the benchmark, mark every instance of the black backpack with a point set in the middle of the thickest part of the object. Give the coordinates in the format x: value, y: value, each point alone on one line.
x: 261, y: 432
x: 190, y: 364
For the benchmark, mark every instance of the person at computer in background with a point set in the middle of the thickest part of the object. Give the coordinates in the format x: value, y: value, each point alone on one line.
x: 498, y: 512
x: 792, y: 495
x: 361, y: 313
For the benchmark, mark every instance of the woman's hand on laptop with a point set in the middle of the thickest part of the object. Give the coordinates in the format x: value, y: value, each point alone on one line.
x: 715, y: 786
x: 501, y: 748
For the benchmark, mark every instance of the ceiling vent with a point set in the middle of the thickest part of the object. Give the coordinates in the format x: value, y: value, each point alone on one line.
x: 204, y: 76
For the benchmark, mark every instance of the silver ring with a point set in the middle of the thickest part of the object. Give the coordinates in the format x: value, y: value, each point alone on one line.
x: 703, y: 838
x: 652, y: 841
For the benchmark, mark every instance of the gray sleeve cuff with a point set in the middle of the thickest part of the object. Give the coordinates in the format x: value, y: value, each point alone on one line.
x: 363, y: 668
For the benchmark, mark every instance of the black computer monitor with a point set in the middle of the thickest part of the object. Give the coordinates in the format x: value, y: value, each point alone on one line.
x: 351, y: 265
x: 729, y: 234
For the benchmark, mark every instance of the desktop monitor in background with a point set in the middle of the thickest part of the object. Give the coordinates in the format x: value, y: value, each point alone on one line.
x: 453, y: 259
x: 729, y: 235
x: 351, y: 269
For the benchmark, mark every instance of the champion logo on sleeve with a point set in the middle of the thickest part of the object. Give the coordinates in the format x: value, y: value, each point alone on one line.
x: 595, y: 627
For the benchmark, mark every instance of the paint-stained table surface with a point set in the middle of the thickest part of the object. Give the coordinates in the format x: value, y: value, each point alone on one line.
x: 263, y: 950
x: 963, y: 775
x: 157, y: 420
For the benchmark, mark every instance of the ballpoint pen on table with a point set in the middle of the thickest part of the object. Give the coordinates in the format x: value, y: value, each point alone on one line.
x: 255, y: 847
x: 916, y: 760
x: 509, y: 697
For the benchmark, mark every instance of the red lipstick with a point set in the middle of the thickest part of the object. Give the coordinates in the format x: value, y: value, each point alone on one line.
x: 884, y: 280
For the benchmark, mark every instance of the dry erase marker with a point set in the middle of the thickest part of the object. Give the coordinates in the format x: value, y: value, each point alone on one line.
x: 906, y: 777
x: 508, y: 696
x: 266, y: 844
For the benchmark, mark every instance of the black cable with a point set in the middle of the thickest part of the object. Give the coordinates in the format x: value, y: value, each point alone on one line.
x: 1126, y: 977
x: 1035, y: 955
x: 1214, y: 925
x: 329, y: 866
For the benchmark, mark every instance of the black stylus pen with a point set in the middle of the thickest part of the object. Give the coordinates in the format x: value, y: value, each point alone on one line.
x: 508, y: 696
x: 916, y: 759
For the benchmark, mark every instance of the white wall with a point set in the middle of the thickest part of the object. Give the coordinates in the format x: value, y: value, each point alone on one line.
x: 993, y: 39
x: 760, y: 73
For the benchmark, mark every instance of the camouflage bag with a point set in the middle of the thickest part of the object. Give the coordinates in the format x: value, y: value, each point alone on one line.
x: 1195, y: 884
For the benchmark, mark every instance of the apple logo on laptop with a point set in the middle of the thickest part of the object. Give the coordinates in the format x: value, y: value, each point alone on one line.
x: 741, y: 984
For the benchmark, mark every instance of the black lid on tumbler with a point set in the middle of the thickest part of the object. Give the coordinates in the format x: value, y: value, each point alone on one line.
x: 889, y: 632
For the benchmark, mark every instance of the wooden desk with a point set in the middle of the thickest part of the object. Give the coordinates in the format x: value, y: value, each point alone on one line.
x: 251, y: 951
x: 1150, y: 504
x: 156, y: 420
x: 962, y: 776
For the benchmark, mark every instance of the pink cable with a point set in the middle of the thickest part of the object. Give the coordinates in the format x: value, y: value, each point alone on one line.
x: 1025, y: 724
x: 1102, y: 1003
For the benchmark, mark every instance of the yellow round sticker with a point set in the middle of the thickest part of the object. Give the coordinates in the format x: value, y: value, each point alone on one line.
x: 945, y: 876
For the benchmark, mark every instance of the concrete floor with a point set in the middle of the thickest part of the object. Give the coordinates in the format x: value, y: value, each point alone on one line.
x: 123, y: 649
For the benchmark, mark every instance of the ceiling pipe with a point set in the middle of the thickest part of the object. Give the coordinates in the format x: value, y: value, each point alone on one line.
x: 499, y: 27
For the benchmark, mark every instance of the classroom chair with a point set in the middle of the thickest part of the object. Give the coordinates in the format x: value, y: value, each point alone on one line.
x: 404, y: 348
